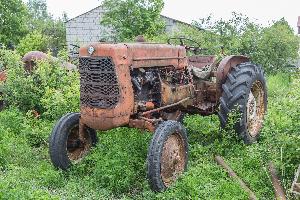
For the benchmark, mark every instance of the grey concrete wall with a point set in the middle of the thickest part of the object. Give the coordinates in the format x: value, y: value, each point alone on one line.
x: 86, y: 28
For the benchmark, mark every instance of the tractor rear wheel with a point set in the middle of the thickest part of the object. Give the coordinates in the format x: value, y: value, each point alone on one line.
x: 66, y: 146
x: 245, y: 92
x: 167, y: 155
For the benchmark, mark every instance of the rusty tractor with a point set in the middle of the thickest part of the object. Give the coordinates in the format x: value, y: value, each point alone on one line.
x: 151, y: 86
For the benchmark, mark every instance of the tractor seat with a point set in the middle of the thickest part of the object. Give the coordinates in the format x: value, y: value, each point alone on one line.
x: 201, y: 66
x: 201, y: 61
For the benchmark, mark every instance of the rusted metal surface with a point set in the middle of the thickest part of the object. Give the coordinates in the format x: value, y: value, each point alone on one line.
x: 165, y: 107
x: 125, y: 57
x: 142, y: 124
x: 231, y: 173
x: 170, y: 95
x: 141, y: 84
x: 2, y: 76
x: 206, y: 99
x: 255, y: 108
x: 224, y: 68
x: 105, y: 119
x: 32, y: 57
x: 175, y: 116
x: 100, y: 87
x: 278, y: 189
x: 172, y: 159
x: 78, y: 143
x: 150, y: 105
x: 150, y: 55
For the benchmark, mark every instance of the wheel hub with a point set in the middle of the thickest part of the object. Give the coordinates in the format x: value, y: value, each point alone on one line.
x: 173, y: 159
x: 78, y: 147
x: 251, y: 105
x: 255, y: 108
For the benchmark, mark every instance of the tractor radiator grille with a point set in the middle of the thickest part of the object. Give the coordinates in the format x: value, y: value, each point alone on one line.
x: 99, y: 86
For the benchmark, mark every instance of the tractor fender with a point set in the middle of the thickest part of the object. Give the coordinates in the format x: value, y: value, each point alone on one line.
x: 225, y: 67
x: 31, y: 57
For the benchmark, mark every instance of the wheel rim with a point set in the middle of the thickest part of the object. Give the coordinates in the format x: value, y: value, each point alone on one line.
x: 173, y: 159
x: 77, y: 148
x: 255, y: 108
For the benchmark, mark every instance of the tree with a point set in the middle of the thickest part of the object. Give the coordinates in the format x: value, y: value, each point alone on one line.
x: 42, y: 21
x: 274, y: 47
x: 13, y: 15
x: 277, y: 47
x: 130, y: 18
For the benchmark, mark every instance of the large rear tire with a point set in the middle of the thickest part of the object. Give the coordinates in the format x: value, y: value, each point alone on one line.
x: 245, y: 92
x: 167, y: 155
x: 65, y: 146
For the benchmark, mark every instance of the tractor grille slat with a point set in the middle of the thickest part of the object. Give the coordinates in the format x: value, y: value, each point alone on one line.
x: 99, y: 85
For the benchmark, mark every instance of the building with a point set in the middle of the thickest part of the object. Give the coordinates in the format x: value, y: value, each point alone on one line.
x: 86, y: 27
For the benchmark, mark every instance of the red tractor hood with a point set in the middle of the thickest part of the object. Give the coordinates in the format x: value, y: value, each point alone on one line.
x: 139, y: 54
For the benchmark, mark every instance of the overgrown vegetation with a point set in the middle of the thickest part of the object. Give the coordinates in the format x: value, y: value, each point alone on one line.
x: 32, y: 42
x: 130, y: 18
x: 116, y: 168
x: 274, y: 47
x: 25, y: 24
x: 50, y: 89
x: 12, y: 25
x: 42, y: 21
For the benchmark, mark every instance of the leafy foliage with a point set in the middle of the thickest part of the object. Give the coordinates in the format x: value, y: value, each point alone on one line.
x: 43, y: 22
x: 34, y: 41
x: 50, y: 89
x: 277, y: 47
x: 130, y: 18
x: 13, y: 15
x: 273, y: 47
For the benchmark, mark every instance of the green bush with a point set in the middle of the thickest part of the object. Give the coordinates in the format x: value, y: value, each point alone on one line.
x: 34, y: 41
x: 277, y: 47
x: 50, y: 89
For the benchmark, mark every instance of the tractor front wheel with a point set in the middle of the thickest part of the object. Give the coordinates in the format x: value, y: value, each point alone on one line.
x: 66, y: 145
x: 167, y: 155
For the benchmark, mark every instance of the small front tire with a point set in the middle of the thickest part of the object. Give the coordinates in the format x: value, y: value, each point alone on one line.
x: 65, y: 146
x: 167, y: 155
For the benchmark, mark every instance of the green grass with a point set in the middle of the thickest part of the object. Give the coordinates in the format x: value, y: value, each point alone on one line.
x: 116, y: 168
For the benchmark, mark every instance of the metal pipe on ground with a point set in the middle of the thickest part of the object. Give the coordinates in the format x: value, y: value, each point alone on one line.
x: 231, y: 173
x: 278, y: 189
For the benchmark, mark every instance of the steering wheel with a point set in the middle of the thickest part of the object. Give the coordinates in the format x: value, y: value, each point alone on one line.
x: 195, y: 47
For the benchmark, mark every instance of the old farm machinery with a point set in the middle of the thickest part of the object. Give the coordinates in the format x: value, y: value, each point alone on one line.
x: 151, y: 86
